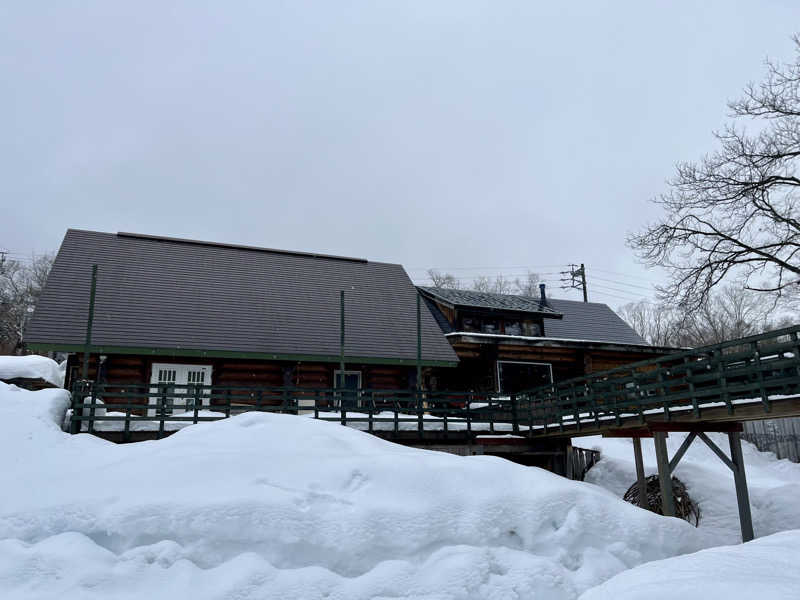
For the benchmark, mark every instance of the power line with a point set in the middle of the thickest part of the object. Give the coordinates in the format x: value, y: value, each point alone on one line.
x: 629, y: 276
x: 483, y: 268
x: 604, y: 293
x: 631, y: 285
x: 577, y: 279
x: 608, y: 287
x: 634, y: 285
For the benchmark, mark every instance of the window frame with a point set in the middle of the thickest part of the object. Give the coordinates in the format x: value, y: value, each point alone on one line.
x: 338, y: 394
x: 520, y: 362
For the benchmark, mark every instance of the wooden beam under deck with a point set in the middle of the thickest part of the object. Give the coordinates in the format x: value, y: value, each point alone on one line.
x: 783, y: 407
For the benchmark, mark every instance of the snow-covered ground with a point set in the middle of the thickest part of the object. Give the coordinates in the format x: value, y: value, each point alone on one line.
x: 764, y: 568
x: 773, y: 485
x: 33, y: 367
x: 279, y: 506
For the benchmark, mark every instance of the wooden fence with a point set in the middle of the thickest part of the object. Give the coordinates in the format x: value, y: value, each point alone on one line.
x: 781, y: 436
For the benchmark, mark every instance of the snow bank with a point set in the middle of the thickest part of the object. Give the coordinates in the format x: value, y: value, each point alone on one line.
x: 33, y: 367
x: 773, y: 484
x: 279, y: 506
x: 764, y: 568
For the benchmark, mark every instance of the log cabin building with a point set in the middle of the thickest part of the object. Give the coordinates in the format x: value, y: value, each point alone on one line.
x: 183, y: 312
x: 507, y: 343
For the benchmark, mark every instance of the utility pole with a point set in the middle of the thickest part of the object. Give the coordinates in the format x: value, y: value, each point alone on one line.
x: 575, y: 279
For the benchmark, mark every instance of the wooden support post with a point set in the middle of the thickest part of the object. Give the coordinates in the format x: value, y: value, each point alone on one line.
x: 640, y: 478
x: 341, y: 339
x: 664, y: 477
x: 568, y: 466
x: 89, y: 320
x: 740, y: 479
x: 77, y: 408
x: 342, y: 408
x: 419, y: 343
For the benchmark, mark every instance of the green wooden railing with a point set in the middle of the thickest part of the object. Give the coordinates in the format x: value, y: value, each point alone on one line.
x: 760, y: 369
x: 164, y: 407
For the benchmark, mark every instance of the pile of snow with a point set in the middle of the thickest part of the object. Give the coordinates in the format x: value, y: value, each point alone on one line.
x: 101, y: 410
x: 32, y: 367
x: 773, y: 485
x: 279, y: 506
x: 764, y: 568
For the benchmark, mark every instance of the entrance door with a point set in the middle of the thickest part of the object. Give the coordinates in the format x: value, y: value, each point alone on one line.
x: 513, y: 377
x: 183, y: 382
x: 347, y: 390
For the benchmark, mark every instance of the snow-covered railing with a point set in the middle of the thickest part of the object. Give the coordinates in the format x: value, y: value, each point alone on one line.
x: 757, y: 370
x: 754, y: 371
x: 167, y: 407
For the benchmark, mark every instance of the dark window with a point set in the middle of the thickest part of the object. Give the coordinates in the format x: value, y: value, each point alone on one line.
x: 515, y: 377
x: 513, y: 328
x: 531, y: 328
x: 471, y: 324
x: 491, y: 326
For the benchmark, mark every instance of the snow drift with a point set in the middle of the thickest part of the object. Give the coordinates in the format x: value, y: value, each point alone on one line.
x: 33, y: 367
x: 773, y: 484
x: 277, y: 506
x: 764, y: 568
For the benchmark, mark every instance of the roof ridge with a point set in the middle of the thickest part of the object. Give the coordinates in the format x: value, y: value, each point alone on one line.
x: 160, y: 238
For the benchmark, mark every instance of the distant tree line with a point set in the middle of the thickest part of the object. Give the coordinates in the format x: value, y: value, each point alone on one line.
x: 729, y: 313
x: 499, y: 284
x: 21, y: 283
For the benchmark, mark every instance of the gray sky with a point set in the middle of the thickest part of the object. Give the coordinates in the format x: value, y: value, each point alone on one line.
x: 476, y: 137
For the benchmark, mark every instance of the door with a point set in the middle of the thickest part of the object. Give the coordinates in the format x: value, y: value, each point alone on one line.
x: 183, y: 383
x: 347, y: 389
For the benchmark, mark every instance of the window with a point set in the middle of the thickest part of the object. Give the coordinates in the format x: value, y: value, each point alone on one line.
x: 531, y: 328
x: 513, y: 377
x: 348, y: 390
x: 182, y: 384
x: 491, y: 326
x: 513, y: 328
x: 471, y: 324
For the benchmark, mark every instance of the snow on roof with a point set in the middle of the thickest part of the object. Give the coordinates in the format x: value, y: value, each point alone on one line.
x: 31, y: 367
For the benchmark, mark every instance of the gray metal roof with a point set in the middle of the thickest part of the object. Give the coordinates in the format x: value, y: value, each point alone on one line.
x: 488, y: 300
x: 181, y: 294
x: 582, y: 321
x: 592, y: 321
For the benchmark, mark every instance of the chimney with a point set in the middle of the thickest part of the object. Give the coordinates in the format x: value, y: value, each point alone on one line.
x: 543, y: 299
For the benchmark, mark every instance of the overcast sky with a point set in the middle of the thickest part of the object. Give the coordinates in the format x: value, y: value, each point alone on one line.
x: 475, y: 137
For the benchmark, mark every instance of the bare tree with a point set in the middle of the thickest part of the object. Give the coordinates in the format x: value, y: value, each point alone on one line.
x: 733, y: 216
x: 528, y: 285
x: 494, y: 285
x: 443, y: 280
x: 730, y: 313
x: 658, y: 324
x: 21, y: 283
x: 498, y: 284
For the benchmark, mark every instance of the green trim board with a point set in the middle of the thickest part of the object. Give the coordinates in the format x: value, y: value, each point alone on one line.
x: 102, y: 349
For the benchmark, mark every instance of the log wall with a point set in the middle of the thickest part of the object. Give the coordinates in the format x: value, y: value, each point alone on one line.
x: 127, y: 369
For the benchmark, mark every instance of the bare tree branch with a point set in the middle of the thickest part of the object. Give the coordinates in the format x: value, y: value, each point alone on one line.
x: 733, y: 215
